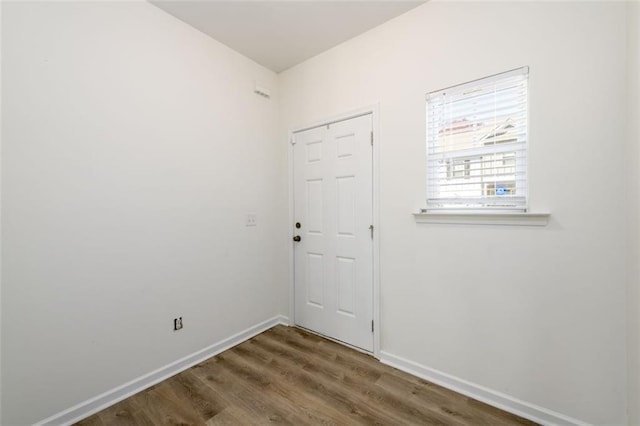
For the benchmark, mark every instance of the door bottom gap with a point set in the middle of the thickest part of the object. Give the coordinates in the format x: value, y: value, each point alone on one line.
x: 333, y: 339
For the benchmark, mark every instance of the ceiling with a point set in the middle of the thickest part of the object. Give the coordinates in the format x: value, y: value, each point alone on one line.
x: 281, y: 34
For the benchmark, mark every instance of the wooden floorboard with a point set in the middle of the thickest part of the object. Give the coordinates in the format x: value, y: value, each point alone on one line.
x: 292, y: 377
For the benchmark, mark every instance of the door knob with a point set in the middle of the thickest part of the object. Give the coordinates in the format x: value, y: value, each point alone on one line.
x: 297, y: 238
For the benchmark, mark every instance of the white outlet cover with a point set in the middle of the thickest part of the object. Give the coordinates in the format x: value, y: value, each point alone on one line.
x: 252, y: 219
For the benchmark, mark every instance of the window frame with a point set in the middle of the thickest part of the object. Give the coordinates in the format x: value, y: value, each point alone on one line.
x: 480, y: 203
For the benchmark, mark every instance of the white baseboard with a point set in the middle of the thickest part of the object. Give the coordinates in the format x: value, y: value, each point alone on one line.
x: 488, y: 396
x: 100, y: 402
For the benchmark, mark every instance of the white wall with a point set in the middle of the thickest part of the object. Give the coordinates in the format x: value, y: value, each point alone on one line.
x: 633, y: 297
x: 132, y: 148
x: 535, y: 313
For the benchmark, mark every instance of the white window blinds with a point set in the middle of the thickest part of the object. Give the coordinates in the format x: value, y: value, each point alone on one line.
x: 477, y: 144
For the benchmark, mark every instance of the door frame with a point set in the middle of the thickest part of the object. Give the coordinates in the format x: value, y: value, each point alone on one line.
x: 374, y: 110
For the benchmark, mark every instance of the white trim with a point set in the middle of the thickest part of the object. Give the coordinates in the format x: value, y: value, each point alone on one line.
x: 488, y: 396
x: 335, y: 118
x: 458, y: 88
x: 488, y: 218
x: 292, y: 307
x: 110, y: 397
x: 374, y: 110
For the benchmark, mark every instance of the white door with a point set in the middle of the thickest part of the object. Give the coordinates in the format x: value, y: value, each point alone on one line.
x: 333, y: 205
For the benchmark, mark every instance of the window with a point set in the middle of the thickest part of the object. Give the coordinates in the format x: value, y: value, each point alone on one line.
x: 477, y: 144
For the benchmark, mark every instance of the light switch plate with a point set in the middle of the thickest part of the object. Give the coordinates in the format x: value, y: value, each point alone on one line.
x: 252, y: 219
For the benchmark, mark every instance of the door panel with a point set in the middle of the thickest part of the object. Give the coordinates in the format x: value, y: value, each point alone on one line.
x: 333, y: 266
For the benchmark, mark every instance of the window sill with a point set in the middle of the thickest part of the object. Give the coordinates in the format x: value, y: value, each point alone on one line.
x: 488, y: 218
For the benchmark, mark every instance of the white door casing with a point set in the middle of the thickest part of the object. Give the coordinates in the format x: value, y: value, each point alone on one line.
x: 333, y: 202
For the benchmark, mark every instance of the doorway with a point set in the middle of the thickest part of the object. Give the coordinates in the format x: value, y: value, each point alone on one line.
x: 333, y: 230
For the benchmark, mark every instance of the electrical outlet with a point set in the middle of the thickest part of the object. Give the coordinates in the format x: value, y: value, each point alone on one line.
x: 252, y: 219
x: 177, y: 324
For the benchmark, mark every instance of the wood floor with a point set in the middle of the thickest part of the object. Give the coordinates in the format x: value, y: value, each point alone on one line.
x: 289, y: 376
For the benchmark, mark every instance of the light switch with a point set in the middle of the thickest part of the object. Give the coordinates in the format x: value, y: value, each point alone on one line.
x: 252, y: 219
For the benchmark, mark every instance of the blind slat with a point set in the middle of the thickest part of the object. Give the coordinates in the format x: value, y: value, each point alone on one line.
x: 438, y: 154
